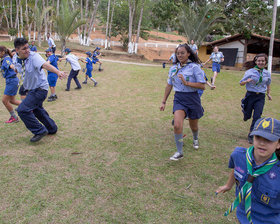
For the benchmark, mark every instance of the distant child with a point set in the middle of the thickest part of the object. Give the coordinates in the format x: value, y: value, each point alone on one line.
x: 33, y: 47
x: 51, y: 43
x: 88, y: 62
x: 74, y: 62
x: 52, y: 77
x: 256, y: 173
x: 257, y: 80
x: 95, y: 57
x: 11, y: 78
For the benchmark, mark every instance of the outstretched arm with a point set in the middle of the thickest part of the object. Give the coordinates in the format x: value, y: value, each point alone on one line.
x: 52, y: 69
x: 228, y: 185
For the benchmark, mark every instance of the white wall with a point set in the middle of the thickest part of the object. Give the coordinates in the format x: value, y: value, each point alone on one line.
x: 235, y: 44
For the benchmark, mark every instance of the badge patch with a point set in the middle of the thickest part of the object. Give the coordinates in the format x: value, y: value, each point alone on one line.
x: 265, y: 199
x: 265, y: 124
x: 272, y: 175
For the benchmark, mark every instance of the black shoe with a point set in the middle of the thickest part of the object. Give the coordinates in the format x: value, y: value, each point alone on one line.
x: 250, y: 139
x: 55, y: 96
x: 51, y: 98
x: 84, y: 82
x: 67, y: 89
x: 37, y: 138
x: 78, y: 87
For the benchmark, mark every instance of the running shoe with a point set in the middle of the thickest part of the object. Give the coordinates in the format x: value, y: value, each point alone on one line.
x: 95, y: 84
x: 176, y: 156
x: 195, y: 144
x: 12, y: 120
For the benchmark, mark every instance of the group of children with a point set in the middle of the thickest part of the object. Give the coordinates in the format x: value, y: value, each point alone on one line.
x: 12, y: 63
x: 256, y: 170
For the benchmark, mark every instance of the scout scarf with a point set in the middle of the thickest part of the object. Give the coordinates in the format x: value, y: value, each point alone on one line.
x: 260, y: 70
x: 245, y: 192
x: 22, y: 62
x: 176, y: 70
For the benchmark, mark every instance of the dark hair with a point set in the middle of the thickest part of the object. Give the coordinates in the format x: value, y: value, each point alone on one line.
x: 14, y: 50
x: 19, y: 42
x: 277, y: 152
x: 193, y: 56
x: 7, y: 51
x: 252, y: 64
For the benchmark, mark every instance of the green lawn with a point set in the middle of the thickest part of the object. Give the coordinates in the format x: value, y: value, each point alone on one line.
x: 109, y: 161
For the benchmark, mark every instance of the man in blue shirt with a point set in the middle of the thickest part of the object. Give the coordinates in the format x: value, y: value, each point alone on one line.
x: 33, y: 47
x: 31, y: 110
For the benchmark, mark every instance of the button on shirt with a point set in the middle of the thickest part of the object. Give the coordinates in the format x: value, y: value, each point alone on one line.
x: 254, y: 86
x: 5, y: 67
x: 216, y: 57
x: 51, y: 43
x: 265, y: 190
x: 191, y: 73
x: 35, y: 76
x: 73, y: 60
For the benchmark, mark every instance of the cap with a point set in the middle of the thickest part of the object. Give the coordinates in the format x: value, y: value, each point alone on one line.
x: 97, y: 48
x: 88, y: 53
x: 268, y: 128
x: 67, y: 50
x: 48, y: 50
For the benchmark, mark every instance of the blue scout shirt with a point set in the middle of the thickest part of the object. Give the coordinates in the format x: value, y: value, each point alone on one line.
x: 265, y: 190
x: 254, y: 86
x: 33, y: 48
x: 89, y: 64
x: 216, y: 57
x: 5, y: 67
x: 35, y: 76
x: 53, y: 61
x: 191, y: 72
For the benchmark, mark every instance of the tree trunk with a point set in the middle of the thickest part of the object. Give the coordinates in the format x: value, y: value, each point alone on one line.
x: 110, y: 26
x: 107, y: 23
x: 17, y: 17
x: 63, y: 45
x: 57, y: 14
x: 139, y: 26
x: 27, y: 20
x: 45, y: 4
x: 11, y: 14
x: 5, y: 14
x: 21, y: 19
x: 131, y: 15
x: 91, y: 23
x: 79, y: 32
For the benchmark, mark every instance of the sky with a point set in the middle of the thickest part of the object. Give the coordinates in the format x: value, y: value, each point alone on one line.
x: 278, y: 2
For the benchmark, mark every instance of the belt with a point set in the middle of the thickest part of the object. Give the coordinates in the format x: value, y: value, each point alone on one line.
x: 257, y: 93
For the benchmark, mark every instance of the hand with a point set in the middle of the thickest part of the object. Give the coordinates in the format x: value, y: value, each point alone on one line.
x: 162, y: 107
x: 212, y: 87
x: 62, y: 75
x: 222, y: 189
x: 269, y: 96
x: 182, y: 79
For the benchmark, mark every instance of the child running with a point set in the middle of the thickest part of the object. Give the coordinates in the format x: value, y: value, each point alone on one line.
x: 186, y: 77
x: 12, y: 81
x: 52, y: 77
x: 95, y: 57
x: 74, y: 62
x: 257, y: 80
x: 89, y: 68
x: 256, y: 173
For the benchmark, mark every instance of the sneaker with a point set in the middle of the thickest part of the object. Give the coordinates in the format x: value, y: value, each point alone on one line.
x: 55, y: 96
x: 78, y: 87
x: 95, y: 84
x: 51, y: 98
x: 176, y: 156
x: 250, y: 139
x: 67, y: 89
x: 12, y: 120
x: 85, y: 82
x: 37, y: 138
x: 195, y: 144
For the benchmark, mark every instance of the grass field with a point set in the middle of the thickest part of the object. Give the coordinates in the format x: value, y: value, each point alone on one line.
x: 109, y: 161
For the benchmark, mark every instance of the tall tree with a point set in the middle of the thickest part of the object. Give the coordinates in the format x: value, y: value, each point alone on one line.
x: 65, y: 22
x: 139, y: 26
x: 110, y: 25
x: 132, y: 6
x: 107, y: 24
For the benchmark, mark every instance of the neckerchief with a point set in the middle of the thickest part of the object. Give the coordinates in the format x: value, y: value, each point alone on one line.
x: 22, y: 62
x: 175, y: 71
x: 260, y: 70
x: 245, y: 192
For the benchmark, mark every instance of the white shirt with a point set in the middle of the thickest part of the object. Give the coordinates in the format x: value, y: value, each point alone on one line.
x: 73, y: 60
x: 51, y: 43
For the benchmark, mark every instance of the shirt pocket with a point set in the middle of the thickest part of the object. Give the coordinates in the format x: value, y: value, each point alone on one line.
x: 240, y: 178
x: 268, y: 196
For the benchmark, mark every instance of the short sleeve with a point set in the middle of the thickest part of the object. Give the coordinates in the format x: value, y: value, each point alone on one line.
x: 199, y: 74
x: 169, y: 79
x: 246, y: 76
x: 222, y: 55
x: 231, y: 162
x: 7, y: 63
x: 87, y: 60
x: 269, y: 79
x: 38, y: 61
x: 211, y: 56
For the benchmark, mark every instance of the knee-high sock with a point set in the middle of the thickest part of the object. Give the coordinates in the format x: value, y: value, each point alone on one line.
x: 179, y: 142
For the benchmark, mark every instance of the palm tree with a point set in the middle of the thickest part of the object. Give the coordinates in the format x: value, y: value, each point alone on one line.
x: 200, y: 20
x: 65, y: 23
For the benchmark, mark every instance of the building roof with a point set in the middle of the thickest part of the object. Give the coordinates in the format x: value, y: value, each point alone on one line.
x: 238, y: 37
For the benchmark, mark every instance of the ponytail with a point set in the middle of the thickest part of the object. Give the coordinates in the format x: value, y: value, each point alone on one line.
x: 7, y: 51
